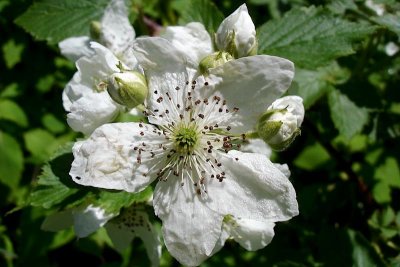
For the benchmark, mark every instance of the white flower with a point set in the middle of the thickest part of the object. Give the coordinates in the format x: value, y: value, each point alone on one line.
x: 391, y: 49
x: 85, y: 97
x: 116, y: 33
x: 237, y: 34
x: 190, y: 146
x: 280, y: 125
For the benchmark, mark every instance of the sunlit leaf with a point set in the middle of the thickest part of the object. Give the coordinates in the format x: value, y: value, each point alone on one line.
x: 9, y: 110
x: 55, y: 20
x: 310, y: 37
x: 11, y: 160
x: 12, y: 53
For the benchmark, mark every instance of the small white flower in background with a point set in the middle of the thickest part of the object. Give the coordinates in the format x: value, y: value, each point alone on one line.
x: 391, y: 49
x: 85, y: 97
x: 196, y: 127
x: 235, y: 38
x: 122, y: 229
x: 379, y: 9
x: 280, y: 125
x: 114, y: 32
x: 237, y: 34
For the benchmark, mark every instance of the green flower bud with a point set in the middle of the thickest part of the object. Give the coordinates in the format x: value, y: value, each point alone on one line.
x: 279, y: 125
x: 214, y: 60
x: 95, y: 30
x: 128, y: 88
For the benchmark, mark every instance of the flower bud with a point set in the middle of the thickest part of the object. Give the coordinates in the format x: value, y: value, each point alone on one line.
x: 280, y: 124
x: 128, y: 88
x: 95, y: 30
x: 214, y: 60
x: 237, y: 34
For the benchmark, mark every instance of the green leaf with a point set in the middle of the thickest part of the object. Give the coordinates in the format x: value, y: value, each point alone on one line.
x: 348, y: 118
x: 55, y: 20
x: 9, y: 110
x: 203, y: 11
x: 312, y: 157
x: 113, y: 201
x: 53, y: 124
x: 40, y: 143
x: 389, y: 172
x: 11, y: 160
x: 54, y: 184
x: 310, y: 37
x: 363, y: 253
x: 311, y: 85
x: 12, y: 53
x: 381, y: 193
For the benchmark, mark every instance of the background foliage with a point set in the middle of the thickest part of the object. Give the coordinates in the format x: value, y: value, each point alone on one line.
x: 345, y: 165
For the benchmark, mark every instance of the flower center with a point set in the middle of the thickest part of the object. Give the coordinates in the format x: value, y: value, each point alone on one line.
x: 185, y: 138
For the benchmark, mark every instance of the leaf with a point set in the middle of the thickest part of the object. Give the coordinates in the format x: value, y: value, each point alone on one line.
x: 311, y: 85
x: 40, y: 143
x: 388, y: 172
x: 381, y: 193
x: 12, y: 53
x: 55, y: 20
x: 390, y: 21
x: 310, y: 37
x: 348, y: 118
x: 53, y: 124
x: 11, y: 161
x: 203, y: 11
x: 9, y: 110
x: 312, y: 157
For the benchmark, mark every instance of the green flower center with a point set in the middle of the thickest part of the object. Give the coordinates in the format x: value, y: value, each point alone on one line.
x: 185, y: 139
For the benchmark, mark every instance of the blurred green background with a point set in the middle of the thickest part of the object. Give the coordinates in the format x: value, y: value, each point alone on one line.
x: 345, y: 164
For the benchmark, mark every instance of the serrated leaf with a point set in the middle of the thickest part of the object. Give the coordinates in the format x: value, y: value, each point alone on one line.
x: 11, y: 160
x: 113, y: 201
x: 348, y: 118
x: 389, y: 21
x: 9, y: 110
x: 55, y: 20
x: 203, y: 11
x: 313, y: 84
x: 310, y: 37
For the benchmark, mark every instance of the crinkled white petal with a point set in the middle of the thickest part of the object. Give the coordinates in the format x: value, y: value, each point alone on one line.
x: 117, y: 32
x: 135, y: 223
x: 90, y: 111
x: 251, y: 234
x: 257, y: 146
x: 191, y: 230
x: 97, y: 68
x: 293, y: 104
x: 192, y: 40
x: 244, y: 30
x: 58, y: 221
x: 251, y: 84
x: 73, y: 91
x: 88, y: 220
x: 284, y: 168
x: 75, y: 47
x: 107, y: 159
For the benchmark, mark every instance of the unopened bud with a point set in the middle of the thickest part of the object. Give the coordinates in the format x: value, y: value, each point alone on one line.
x: 214, y: 60
x: 95, y: 30
x: 128, y: 88
x: 237, y: 34
x: 280, y: 124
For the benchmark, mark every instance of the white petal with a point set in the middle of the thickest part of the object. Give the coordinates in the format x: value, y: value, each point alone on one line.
x: 284, y: 168
x: 191, y: 230
x: 58, y: 221
x: 92, y: 110
x: 132, y: 223
x: 73, y: 91
x: 257, y: 146
x: 75, y: 47
x: 254, y: 189
x: 192, y: 40
x: 108, y: 159
x: 252, y: 84
x: 157, y: 54
x: 89, y: 220
x: 294, y: 104
x: 251, y: 234
x: 98, y: 67
x: 117, y: 32
x: 244, y: 30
